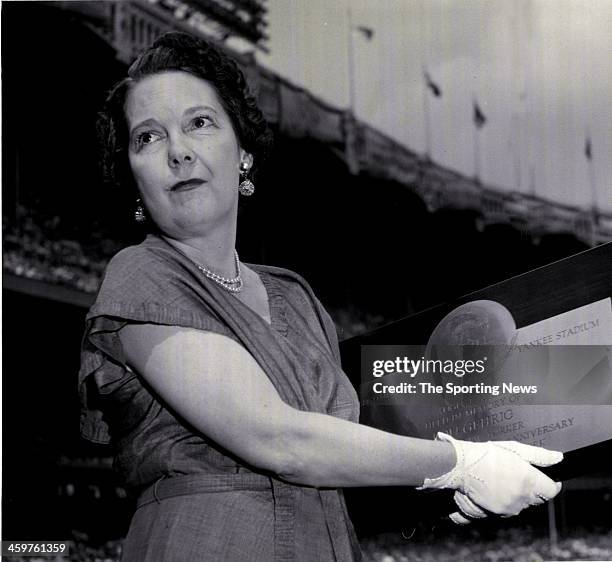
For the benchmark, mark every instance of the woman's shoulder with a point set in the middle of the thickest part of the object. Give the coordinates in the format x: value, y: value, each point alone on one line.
x: 132, y: 257
x: 140, y: 263
x: 137, y: 271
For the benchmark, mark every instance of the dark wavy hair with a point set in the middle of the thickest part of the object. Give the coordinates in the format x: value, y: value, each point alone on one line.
x: 181, y: 51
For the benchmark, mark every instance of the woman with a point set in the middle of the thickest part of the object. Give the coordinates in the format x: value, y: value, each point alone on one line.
x: 219, y: 382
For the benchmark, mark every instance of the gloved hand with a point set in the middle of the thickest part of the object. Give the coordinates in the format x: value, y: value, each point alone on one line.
x: 497, y: 476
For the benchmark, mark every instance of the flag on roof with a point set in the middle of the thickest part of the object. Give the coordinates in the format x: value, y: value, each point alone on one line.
x: 479, y: 117
x: 588, y: 149
x: 435, y: 89
x: 367, y: 32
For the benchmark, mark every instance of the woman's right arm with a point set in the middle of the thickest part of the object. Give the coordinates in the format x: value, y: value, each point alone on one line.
x: 218, y: 387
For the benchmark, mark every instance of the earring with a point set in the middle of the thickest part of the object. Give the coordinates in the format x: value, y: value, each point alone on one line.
x: 246, y: 186
x: 139, y: 212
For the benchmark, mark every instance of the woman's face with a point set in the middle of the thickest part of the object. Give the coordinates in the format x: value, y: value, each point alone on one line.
x: 184, y: 154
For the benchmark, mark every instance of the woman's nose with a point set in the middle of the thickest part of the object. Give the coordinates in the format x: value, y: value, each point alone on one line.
x: 179, y: 154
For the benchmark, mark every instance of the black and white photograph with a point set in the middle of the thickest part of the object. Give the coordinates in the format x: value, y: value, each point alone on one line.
x: 306, y: 280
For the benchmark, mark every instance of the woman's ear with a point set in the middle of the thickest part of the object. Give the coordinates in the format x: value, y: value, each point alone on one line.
x: 246, y: 158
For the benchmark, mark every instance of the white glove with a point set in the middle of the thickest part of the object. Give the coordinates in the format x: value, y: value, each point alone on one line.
x: 497, y: 476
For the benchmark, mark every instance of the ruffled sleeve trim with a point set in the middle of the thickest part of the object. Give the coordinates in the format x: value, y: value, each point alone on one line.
x: 103, y: 365
x: 143, y: 284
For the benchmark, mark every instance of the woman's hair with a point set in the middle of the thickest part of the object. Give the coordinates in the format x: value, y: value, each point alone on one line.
x: 181, y: 51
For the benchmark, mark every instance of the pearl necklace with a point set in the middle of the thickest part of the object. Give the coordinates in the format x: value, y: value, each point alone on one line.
x: 232, y: 284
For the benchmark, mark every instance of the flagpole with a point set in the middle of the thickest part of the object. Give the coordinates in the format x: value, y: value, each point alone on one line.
x: 515, y: 143
x: 476, y: 156
x: 427, y: 119
x: 595, y: 208
x: 591, y: 171
x: 351, y: 60
x: 594, y: 203
x: 532, y: 180
x: 515, y: 123
x: 476, y: 147
x: 352, y: 111
x: 479, y: 120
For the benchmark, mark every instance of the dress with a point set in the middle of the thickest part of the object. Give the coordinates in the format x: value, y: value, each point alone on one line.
x: 198, y: 501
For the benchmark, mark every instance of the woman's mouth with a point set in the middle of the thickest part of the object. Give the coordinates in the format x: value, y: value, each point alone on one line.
x: 187, y: 184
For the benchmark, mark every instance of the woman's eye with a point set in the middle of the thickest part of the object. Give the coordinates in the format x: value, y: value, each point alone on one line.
x: 201, y: 121
x: 146, y: 138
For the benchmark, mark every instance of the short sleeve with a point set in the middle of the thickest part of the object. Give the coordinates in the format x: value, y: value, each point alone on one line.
x: 139, y: 286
